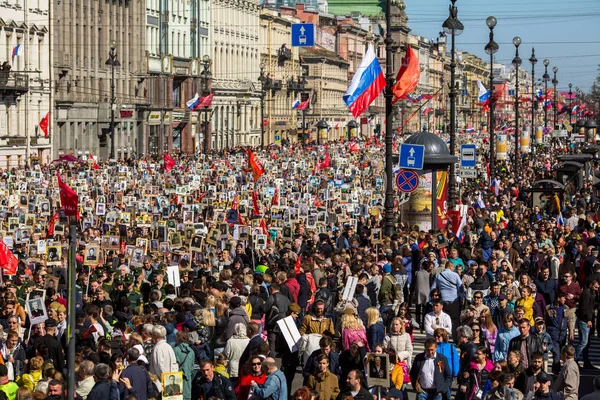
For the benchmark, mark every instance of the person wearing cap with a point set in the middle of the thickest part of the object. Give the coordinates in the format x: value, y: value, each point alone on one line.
x: 543, y: 389
x: 387, y: 293
x: 55, y: 350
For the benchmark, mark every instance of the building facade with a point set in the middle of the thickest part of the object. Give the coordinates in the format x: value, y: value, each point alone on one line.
x: 82, y: 33
x: 25, y: 85
x: 235, y: 69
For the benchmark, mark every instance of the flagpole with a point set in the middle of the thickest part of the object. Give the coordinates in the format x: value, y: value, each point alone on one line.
x: 72, y: 303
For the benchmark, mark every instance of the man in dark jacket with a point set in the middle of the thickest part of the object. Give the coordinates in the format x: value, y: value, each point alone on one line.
x: 354, y: 384
x: 55, y: 351
x: 310, y: 367
x: 557, y: 316
x: 105, y: 388
x: 525, y: 382
x: 276, y: 306
x: 323, y: 293
x: 255, y: 341
x: 209, y: 383
x: 546, y: 286
x: 432, y: 383
x: 238, y: 315
x: 363, y: 303
x: 139, y: 379
x: 585, y: 316
x: 526, y: 343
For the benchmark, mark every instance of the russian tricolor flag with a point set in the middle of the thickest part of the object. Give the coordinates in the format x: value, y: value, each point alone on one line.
x: 16, y: 51
x: 367, y: 83
x: 193, y: 102
x: 484, y: 94
x: 295, y: 104
x: 495, y: 186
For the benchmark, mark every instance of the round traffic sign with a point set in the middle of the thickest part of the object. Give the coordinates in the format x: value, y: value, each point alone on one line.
x: 407, y: 181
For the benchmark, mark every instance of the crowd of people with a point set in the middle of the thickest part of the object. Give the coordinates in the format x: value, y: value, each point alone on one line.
x: 204, y: 281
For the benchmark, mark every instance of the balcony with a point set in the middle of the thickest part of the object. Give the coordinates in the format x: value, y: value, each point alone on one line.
x: 13, y: 83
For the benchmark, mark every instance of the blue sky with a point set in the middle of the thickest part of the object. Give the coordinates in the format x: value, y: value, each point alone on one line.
x: 565, y: 32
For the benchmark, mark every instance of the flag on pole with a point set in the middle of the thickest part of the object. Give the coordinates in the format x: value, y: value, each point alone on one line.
x: 367, y: 83
x: 296, y: 103
x: 169, y: 163
x: 17, y: 51
x: 304, y: 105
x: 193, y: 102
x: 44, y: 124
x: 408, y: 75
x: 8, y: 261
x: 205, y: 101
x: 255, y: 207
x: 52, y: 223
x: 94, y: 163
x: 68, y: 198
x: 255, y: 165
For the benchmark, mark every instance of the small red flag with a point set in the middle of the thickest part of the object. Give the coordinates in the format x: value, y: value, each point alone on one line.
x: 408, y: 76
x: 8, y: 261
x: 94, y: 163
x: 304, y: 105
x: 255, y: 164
x: 297, y: 266
x: 51, y: 224
x: 255, y: 208
x: 168, y: 162
x: 275, y: 199
x: 68, y: 198
x: 205, y: 101
x: 44, y: 124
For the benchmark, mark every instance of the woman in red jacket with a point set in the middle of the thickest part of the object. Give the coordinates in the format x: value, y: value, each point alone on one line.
x: 250, y: 373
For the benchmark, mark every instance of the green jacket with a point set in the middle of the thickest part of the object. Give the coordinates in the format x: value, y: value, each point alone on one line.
x: 186, y: 359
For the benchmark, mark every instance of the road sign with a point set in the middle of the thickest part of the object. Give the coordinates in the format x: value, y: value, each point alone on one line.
x: 468, y: 155
x: 561, y: 133
x: 569, y: 128
x: 411, y: 156
x: 407, y: 181
x: 468, y: 173
x: 303, y: 35
x: 546, y: 130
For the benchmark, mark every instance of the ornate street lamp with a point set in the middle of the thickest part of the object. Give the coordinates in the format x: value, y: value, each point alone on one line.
x: 517, y: 62
x: 546, y: 78
x: 492, y: 48
x: 555, y: 105
x: 113, y: 62
x: 534, y: 102
x: 570, y: 102
x: 453, y: 27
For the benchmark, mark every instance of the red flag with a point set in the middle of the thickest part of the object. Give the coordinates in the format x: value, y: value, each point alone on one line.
x: 265, y: 230
x: 354, y: 148
x: 169, y: 162
x: 240, y: 219
x: 304, y: 105
x: 51, y: 224
x: 408, y: 76
x: 68, y: 198
x: 255, y: 208
x: 326, y: 162
x: 8, y: 261
x: 94, y: 163
x: 275, y: 199
x: 297, y: 266
x: 549, y: 94
x: 205, y: 102
x: 44, y: 124
x: 257, y: 168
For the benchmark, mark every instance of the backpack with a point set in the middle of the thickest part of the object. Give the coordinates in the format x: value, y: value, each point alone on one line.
x: 396, y: 287
x: 327, y: 297
x: 272, y: 316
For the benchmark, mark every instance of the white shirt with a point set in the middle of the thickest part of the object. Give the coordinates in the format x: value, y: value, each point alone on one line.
x: 426, y: 378
x: 432, y: 322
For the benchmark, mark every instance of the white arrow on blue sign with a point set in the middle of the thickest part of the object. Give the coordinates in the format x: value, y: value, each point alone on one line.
x: 412, y: 156
x: 303, y: 35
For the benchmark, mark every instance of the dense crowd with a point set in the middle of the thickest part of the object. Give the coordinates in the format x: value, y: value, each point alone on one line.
x: 188, y: 282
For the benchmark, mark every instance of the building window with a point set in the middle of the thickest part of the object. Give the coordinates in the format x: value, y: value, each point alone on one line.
x: 176, y: 96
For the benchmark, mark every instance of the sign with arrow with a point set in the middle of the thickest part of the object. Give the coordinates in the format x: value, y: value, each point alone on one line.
x: 412, y: 156
x: 303, y: 35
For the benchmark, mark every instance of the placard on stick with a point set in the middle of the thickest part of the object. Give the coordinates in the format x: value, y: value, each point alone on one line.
x: 348, y: 293
x: 173, y: 275
x: 290, y: 332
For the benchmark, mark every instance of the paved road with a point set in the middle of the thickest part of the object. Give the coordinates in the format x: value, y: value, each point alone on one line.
x: 587, y: 376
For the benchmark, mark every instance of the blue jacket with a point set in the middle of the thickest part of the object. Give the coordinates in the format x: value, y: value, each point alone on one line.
x: 140, y: 382
x: 375, y: 334
x: 502, y: 341
x: 104, y: 390
x: 557, y: 322
x: 451, y: 353
x: 274, y: 386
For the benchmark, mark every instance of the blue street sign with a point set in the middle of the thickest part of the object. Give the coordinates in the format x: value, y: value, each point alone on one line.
x: 468, y: 156
x: 303, y: 35
x: 411, y: 156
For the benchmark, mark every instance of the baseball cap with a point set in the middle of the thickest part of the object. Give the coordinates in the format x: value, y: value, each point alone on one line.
x: 543, y: 377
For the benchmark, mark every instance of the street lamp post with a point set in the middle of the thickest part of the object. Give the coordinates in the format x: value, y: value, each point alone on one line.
x: 491, y: 48
x: 113, y: 62
x: 206, y: 75
x: 263, y: 84
x: 570, y: 102
x: 545, y: 77
x: 555, y: 105
x: 453, y: 27
x: 516, y: 62
x: 389, y: 134
x: 533, y: 61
